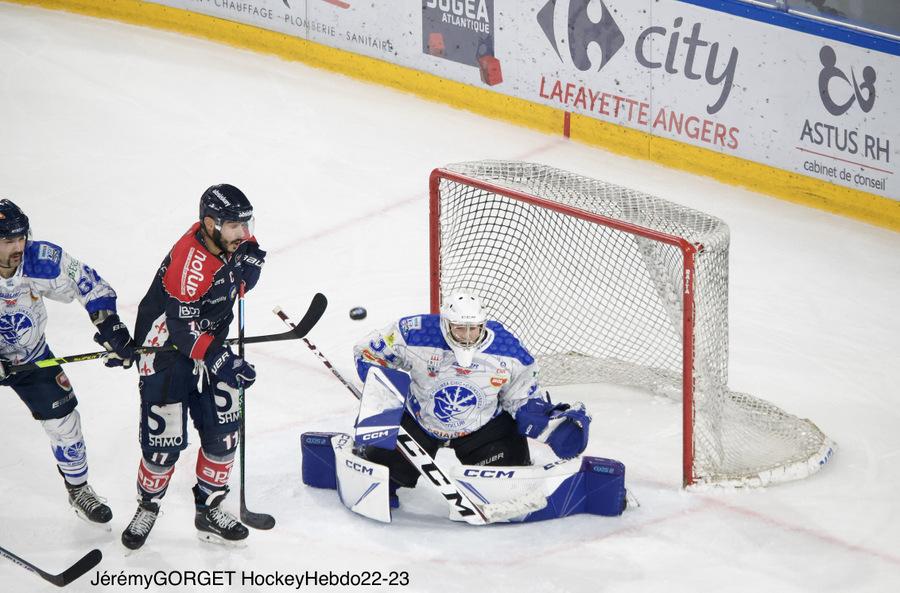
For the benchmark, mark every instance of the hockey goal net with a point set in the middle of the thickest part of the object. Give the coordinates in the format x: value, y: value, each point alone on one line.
x: 606, y: 284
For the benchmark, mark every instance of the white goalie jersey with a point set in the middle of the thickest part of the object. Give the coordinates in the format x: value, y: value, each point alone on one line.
x: 46, y: 271
x: 447, y: 400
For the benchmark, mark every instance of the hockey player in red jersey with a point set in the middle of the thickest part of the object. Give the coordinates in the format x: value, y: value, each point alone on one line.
x: 190, y: 304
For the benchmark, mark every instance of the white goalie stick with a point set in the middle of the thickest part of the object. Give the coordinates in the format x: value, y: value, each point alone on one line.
x: 462, y: 507
x: 87, y: 562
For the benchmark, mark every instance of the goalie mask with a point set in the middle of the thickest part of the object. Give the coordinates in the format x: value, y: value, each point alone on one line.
x: 462, y: 323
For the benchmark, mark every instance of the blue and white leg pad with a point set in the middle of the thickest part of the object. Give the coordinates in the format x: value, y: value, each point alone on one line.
x: 597, y: 489
x: 329, y: 462
x: 591, y: 485
x: 381, y: 408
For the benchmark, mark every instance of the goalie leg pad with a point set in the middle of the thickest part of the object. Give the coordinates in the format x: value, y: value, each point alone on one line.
x: 318, y: 459
x: 329, y: 462
x: 381, y: 408
x: 591, y: 485
x: 361, y: 484
x: 605, y: 486
x: 403, y: 473
x: 597, y: 489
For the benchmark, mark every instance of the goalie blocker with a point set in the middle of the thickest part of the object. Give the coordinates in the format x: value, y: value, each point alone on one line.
x: 591, y: 485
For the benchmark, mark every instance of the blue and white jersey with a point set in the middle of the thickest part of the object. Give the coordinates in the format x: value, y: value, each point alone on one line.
x: 46, y: 271
x: 447, y: 400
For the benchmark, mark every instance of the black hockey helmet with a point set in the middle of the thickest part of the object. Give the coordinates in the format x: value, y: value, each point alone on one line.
x: 224, y: 202
x: 13, y: 222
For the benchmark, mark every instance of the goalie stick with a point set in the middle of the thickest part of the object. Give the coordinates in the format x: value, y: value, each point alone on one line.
x: 254, y: 520
x: 87, y: 562
x: 316, y: 309
x: 462, y: 508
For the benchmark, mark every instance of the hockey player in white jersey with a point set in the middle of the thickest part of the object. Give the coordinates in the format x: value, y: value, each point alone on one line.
x: 473, y: 388
x: 29, y: 271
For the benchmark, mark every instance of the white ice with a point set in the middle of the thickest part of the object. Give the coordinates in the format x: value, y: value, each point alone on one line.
x: 108, y: 135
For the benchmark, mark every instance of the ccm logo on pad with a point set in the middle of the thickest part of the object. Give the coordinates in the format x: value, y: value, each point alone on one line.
x: 375, y: 435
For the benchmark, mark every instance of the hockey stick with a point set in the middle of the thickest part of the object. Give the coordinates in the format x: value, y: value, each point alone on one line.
x: 254, y: 520
x: 316, y: 309
x: 87, y: 562
x: 461, y: 505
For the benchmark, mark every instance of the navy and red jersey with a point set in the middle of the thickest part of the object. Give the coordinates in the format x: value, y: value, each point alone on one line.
x: 190, y: 302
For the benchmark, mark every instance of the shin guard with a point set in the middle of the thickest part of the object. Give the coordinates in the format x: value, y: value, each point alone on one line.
x: 68, y: 447
x: 213, y: 471
x: 153, y: 480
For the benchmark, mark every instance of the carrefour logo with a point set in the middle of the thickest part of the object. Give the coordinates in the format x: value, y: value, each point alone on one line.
x: 582, y: 32
x: 454, y: 403
x: 568, y: 22
x: 15, y: 328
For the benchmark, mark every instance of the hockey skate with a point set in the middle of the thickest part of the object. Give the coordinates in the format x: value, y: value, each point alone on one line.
x: 88, y: 505
x: 137, y: 531
x: 215, y: 525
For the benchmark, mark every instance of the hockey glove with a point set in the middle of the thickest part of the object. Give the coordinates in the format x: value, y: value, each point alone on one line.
x: 4, y: 370
x: 561, y: 426
x: 113, y: 335
x: 533, y: 417
x: 570, y: 437
x: 229, y: 368
x: 252, y: 260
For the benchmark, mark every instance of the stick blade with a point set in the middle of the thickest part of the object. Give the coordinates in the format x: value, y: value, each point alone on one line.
x: 316, y: 309
x: 260, y: 521
x: 87, y: 562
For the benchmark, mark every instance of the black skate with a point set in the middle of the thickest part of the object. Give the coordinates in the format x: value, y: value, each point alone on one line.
x: 87, y: 504
x: 137, y: 531
x: 215, y: 525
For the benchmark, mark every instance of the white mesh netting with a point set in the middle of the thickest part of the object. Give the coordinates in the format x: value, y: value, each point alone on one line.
x: 597, y: 304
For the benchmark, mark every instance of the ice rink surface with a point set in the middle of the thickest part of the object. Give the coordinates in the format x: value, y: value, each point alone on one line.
x: 108, y: 135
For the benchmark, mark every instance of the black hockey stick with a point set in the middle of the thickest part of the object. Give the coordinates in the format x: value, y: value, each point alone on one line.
x: 316, y: 309
x: 461, y: 506
x: 254, y: 520
x: 87, y: 562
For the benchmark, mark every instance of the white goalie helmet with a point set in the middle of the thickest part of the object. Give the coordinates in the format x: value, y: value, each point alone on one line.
x: 462, y: 323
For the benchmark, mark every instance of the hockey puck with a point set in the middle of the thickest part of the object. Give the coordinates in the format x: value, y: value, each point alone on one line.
x: 358, y: 313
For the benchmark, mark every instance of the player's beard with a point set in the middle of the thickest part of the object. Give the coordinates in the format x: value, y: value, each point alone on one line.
x: 13, y: 260
x: 233, y: 245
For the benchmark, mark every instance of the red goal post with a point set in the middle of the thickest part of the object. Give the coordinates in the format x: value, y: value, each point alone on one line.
x: 605, y: 284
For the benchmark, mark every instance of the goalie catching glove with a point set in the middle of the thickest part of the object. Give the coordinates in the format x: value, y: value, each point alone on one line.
x: 563, y: 427
x: 113, y: 335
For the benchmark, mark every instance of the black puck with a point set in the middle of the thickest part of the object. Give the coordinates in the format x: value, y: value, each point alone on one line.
x: 358, y: 313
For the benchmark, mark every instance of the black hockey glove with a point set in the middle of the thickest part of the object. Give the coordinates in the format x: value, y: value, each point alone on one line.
x: 229, y: 368
x: 252, y: 260
x: 113, y: 335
